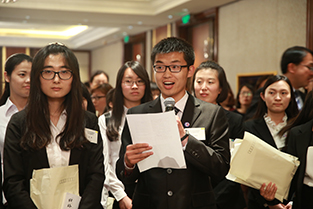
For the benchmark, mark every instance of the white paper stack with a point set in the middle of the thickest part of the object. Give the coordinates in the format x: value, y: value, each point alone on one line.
x: 255, y: 162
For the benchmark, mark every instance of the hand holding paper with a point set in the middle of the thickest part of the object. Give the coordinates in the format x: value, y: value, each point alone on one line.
x: 160, y: 131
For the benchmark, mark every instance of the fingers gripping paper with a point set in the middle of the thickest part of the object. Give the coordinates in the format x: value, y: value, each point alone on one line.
x: 255, y: 162
x: 49, y: 186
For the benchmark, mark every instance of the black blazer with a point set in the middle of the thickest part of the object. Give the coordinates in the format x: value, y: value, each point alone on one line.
x: 19, y: 165
x: 259, y: 128
x: 299, y: 139
x: 228, y: 194
x: 207, y: 161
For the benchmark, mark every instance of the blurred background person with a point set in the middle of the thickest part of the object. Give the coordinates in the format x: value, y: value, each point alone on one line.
x: 87, y: 103
x: 229, y: 102
x: 275, y: 108
x: 98, y: 97
x: 210, y: 85
x: 98, y: 78
x: 244, y: 99
x: 154, y: 89
x: 16, y: 91
x: 132, y: 89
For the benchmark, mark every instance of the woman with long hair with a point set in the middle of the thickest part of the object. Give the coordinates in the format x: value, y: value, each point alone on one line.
x: 209, y: 84
x: 300, y: 143
x: 50, y: 131
x: 131, y: 89
x: 276, y: 107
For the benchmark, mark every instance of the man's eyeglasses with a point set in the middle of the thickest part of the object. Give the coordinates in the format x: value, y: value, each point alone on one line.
x: 172, y: 68
x: 131, y: 83
x: 97, y: 97
x: 309, y: 67
x: 49, y: 74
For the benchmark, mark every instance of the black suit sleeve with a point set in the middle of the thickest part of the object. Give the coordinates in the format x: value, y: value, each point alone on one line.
x: 16, y: 187
x: 94, y: 169
x: 212, y: 156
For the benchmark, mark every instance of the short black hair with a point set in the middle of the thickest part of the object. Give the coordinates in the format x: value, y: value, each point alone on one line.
x: 174, y: 44
x: 293, y: 55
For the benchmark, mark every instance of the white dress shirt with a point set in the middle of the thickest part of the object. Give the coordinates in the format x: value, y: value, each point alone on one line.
x: 280, y: 141
x: 6, y: 111
x: 56, y: 156
x: 111, y: 151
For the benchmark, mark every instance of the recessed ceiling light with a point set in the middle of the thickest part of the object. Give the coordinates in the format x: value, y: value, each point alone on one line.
x: 130, y: 27
x: 139, y: 23
x: 170, y: 16
x: 185, y: 10
x: 27, y: 17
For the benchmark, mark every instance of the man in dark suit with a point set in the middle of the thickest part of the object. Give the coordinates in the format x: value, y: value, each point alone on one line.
x: 297, y: 65
x: 207, y: 161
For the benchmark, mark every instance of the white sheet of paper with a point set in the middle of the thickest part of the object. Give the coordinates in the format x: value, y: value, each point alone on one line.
x: 71, y: 201
x: 309, y: 166
x: 198, y: 133
x: 160, y: 131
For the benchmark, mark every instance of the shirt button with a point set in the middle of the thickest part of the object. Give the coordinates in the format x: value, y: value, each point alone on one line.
x: 170, y: 193
x: 169, y: 171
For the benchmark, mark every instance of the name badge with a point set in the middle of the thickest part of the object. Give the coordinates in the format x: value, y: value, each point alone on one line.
x: 198, y: 133
x: 71, y: 201
x: 91, y: 135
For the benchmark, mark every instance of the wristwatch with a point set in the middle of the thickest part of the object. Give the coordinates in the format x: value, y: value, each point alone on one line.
x: 185, y: 136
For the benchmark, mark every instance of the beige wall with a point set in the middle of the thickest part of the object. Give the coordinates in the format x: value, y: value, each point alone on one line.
x: 253, y: 35
x: 108, y: 58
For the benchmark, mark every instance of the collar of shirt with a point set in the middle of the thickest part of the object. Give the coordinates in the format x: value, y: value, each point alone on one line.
x: 274, y: 130
x: 179, y: 104
x: 10, y: 108
x: 56, y: 156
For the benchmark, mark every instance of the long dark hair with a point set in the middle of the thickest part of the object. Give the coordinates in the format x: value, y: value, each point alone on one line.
x: 38, y: 133
x: 291, y: 110
x: 9, y: 67
x: 118, y: 98
x: 221, y: 78
x: 305, y: 115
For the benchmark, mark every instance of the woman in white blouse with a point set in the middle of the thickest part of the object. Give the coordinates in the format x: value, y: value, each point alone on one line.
x: 50, y: 131
x: 276, y: 106
x: 131, y: 89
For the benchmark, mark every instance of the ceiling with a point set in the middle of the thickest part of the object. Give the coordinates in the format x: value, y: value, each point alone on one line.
x: 88, y: 24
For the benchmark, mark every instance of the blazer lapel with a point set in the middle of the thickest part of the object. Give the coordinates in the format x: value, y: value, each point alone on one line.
x: 191, y: 112
x: 265, y: 132
x: 155, y: 106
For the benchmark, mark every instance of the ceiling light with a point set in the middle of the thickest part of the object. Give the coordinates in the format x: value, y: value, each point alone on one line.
x: 130, y: 27
x: 8, y: 1
x: 170, y: 16
x: 139, y: 23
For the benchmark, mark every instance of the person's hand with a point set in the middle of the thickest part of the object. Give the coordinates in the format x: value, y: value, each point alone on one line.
x: 125, y: 203
x: 269, y: 191
x: 181, y: 130
x: 136, y: 153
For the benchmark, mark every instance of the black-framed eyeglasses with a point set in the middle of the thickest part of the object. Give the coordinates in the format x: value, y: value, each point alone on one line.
x: 97, y: 97
x: 309, y: 67
x: 172, y: 68
x: 131, y: 83
x: 63, y: 74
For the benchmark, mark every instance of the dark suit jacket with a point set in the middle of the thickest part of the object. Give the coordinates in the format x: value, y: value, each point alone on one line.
x: 259, y: 128
x: 299, y: 139
x: 19, y: 165
x: 206, y: 161
x: 228, y: 194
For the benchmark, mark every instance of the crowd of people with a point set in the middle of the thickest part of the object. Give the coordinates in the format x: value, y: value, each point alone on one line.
x: 50, y: 119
